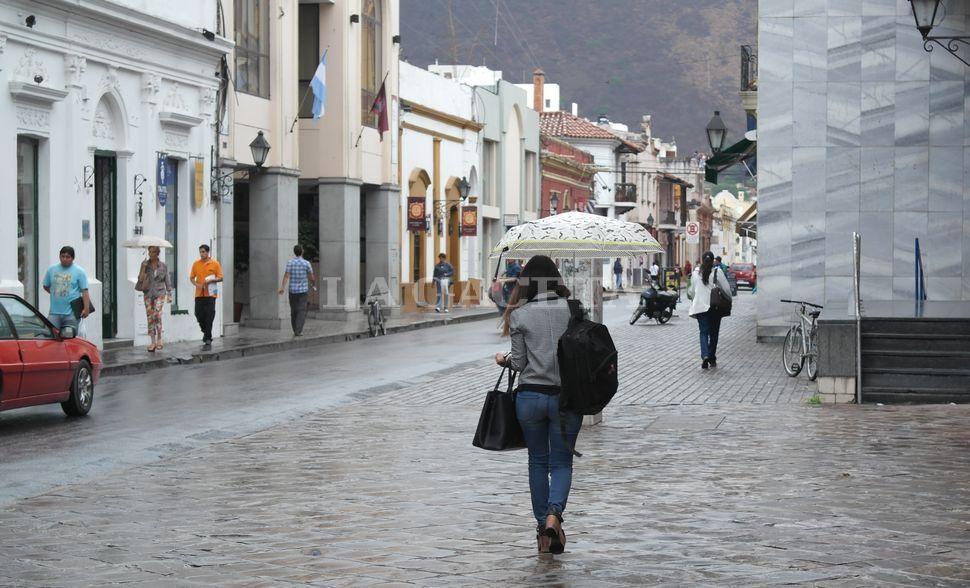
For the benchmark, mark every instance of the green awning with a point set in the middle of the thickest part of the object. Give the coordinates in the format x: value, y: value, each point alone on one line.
x: 733, y: 155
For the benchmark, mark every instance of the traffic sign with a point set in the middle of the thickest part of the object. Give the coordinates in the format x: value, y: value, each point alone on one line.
x: 693, y: 233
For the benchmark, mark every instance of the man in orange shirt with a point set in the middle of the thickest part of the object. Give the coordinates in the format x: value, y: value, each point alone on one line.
x: 205, y: 275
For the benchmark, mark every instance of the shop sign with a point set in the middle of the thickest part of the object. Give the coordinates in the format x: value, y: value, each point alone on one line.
x: 416, y: 213
x: 197, y: 186
x: 164, y: 172
x: 469, y: 221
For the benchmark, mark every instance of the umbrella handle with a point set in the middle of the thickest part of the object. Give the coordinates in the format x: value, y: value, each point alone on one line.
x: 498, y: 264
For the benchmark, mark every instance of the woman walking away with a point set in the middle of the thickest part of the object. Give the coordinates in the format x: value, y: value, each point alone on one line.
x: 536, y: 317
x: 155, y: 282
x: 708, y: 322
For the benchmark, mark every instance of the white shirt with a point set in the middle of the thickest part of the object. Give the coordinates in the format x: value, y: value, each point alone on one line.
x: 654, y: 269
x: 700, y: 293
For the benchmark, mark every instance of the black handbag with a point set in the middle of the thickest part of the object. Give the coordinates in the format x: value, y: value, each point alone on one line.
x: 77, y: 307
x: 498, y: 427
x: 720, y: 302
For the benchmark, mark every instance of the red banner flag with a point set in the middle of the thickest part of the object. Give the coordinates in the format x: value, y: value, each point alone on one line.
x: 379, y: 107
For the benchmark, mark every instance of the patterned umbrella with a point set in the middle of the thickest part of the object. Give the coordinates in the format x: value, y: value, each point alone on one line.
x: 576, y: 235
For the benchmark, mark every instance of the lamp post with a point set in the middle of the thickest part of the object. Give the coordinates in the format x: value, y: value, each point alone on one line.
x: 716, y: 132
x: 553, y: 204
x: 925, y: 14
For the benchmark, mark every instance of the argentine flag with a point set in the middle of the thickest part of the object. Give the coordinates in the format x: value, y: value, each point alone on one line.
x: 319, y: 86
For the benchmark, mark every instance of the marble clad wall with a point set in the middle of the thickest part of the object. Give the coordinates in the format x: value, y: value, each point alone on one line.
x: 859, y: 129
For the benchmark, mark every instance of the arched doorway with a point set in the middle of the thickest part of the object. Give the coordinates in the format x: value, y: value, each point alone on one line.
x: 107, y: 138
x: 418, y: 183
x: 453, y: 242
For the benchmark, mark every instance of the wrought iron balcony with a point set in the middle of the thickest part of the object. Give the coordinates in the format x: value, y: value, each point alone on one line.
x: 626, y: 194
x: 749, y: 68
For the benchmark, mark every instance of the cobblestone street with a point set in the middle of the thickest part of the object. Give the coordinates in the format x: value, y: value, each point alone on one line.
x: 721, y: 478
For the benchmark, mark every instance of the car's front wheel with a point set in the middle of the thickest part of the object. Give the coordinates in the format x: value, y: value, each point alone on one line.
x: 82, y: 391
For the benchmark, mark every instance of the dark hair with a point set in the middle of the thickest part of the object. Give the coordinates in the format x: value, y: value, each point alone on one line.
x: 707, y: 264
x: 298, y: 250
x: 68, y: 249
x: 539, y: 276
x: 442, y: 256
x: 204, y: 246
x: 718, y: 259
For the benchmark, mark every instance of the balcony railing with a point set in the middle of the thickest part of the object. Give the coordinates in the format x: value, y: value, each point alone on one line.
x: 626, y: 193
x: 749, y: 68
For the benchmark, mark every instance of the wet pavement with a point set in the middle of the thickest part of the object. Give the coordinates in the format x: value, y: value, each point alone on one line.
x: 249, y: 341
x: 724, y: 478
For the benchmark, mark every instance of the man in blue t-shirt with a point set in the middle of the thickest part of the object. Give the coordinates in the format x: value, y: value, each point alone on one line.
x: 67, y: 282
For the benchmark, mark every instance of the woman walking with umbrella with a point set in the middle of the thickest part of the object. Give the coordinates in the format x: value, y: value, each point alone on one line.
x: 155, y: 283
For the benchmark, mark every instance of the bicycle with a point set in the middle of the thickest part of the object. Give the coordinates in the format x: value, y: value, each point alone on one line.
x: 375, y: 315
x: 801, y: 342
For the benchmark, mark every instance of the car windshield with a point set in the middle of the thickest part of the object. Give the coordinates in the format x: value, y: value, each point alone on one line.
x: 25, y: 320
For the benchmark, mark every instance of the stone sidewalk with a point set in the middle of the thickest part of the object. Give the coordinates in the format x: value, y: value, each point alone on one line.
x: 707, y: 495
x: 744, y: 485
x: 250, y: 341
x: 658, y: 364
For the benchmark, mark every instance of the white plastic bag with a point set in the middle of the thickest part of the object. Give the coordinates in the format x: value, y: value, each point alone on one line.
x: 82, y: 329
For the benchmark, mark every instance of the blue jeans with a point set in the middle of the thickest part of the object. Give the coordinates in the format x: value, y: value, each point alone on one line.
x: 63, y: 320
x: 550, y: 456
x: 442, y: 284
x: 619, y: 281
x: 709, y: 324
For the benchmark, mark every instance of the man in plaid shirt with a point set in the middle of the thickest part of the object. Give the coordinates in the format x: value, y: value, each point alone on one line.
x: 299, y: 273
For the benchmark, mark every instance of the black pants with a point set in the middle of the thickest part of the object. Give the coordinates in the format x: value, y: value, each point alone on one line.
x: 205, y: 313
x: 298, y: 303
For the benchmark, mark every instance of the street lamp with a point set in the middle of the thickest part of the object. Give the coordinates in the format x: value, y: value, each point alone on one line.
x: 716, y: 132
x: 260, y: 148
x: 463, y: 188
x: 925, y: 13
x: 650, y: 220
x: 222, y: 185
x: 553, y: 204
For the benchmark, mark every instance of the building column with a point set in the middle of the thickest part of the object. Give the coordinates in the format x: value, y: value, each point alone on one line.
x: 272, y: 234
x: 383, y: 243
x: 225, y: 243
x: 339, y: 247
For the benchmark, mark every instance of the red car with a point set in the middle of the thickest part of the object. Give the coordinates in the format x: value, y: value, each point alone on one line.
x: 746, y: 273
x: 41, y: 365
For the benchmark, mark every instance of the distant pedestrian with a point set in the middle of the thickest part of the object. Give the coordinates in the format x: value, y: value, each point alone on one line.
x: 655, y: 273
x: 155, y: 283
x: 618, y: 273
x: 688, y: 268
x: 299, y: 274
x: 720, y: 264
x: 537, y: 316
x: 67, y: 283
x: 443, y: 271
x: 706, y: 277
x: 205, y: 275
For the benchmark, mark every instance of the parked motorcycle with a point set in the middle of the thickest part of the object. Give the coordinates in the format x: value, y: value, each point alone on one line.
x: 655, y: 304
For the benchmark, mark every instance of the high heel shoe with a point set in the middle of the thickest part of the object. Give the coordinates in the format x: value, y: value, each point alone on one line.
x: 542, y: 542
x: 557, y: 537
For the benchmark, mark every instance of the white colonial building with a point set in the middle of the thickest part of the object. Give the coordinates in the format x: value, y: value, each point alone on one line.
x: 107, y: 111
x: 441, y: 151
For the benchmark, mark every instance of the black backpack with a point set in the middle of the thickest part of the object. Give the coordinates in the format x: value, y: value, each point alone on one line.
x: 587, y: 365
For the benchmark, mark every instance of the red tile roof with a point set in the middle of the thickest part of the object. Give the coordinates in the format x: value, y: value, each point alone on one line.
x: 564, y: 124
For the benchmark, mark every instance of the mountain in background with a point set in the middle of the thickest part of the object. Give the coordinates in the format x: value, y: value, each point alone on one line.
x: 678, y: 61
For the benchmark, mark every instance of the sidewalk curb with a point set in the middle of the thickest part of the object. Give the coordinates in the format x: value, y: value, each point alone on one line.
x: 147, y: 365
